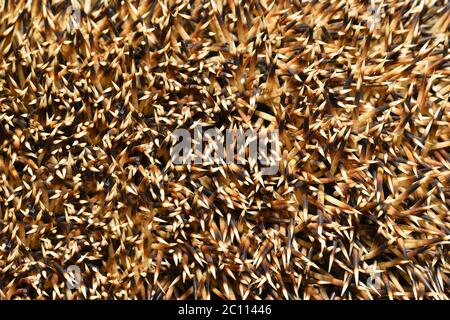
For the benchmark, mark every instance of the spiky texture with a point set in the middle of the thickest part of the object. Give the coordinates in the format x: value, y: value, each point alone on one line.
x: 360, y: 94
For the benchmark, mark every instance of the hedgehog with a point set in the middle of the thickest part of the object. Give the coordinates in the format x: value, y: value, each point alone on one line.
x: 92, y: 206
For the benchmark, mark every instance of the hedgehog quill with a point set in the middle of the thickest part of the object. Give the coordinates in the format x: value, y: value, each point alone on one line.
x: 92, y: 205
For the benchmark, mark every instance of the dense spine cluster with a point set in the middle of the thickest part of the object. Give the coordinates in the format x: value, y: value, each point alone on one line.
x: 91, y: 91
